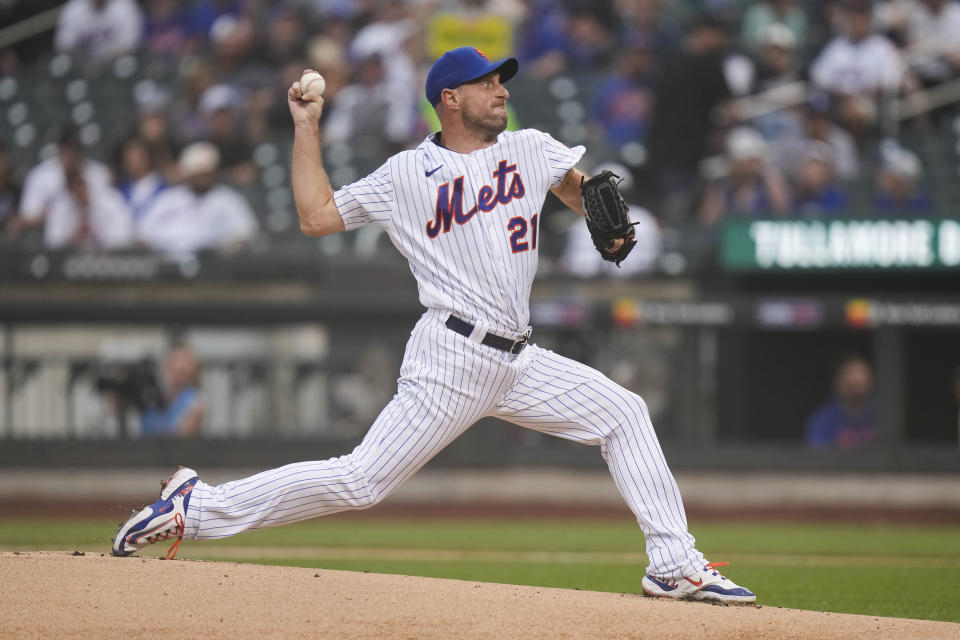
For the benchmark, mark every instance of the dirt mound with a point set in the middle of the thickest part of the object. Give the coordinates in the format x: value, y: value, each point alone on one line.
x: 57, y: 594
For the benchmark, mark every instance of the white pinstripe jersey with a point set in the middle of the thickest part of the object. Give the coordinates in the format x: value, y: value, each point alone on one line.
x: 467, y: 223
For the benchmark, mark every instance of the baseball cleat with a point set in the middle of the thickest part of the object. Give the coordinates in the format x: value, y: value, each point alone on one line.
x: 160, y: 521
x: 708, y: 585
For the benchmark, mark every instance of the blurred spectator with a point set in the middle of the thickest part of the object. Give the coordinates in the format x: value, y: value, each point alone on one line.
x: 139, y: 181
x: 285, y: 37
x: 777, y: 66
x: 817, y: 126
x: 221, y: 107
x: 623, y: 101
x: 9, y: 191
x: 760, y: 16
x: 189, y: 123
x: 47, y: 183
x: 643, y: 20
x: 573, y: 36
x: 777, y: 57
x: 200, y: 214
x: 329, y: 58
x: 592, y: 37
x: 385, y: 33
x: 366, y: 113
x: 691, y: 87
x: 203, y: 14
x: 392, y: 38
x: 890, y: 18
x: 88, y: 215
x: 816, y: 191
x: 268, y: 110
x: 858, y: 66
x: 153, y: 130
x: 167, y: 30
x: 752, y: 186
x: 182, y: 411
x: 541, y: 39
x: 99, y: 28
x: 233, y: 41
x: 335, y: 28
x: 848, y: 419
x: 899, y: 191
x: 581, y: 258
x: 933, y: 45
x: 929, y: 31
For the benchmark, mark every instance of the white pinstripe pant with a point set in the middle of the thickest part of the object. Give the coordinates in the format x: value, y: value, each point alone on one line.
x: 447, y: 383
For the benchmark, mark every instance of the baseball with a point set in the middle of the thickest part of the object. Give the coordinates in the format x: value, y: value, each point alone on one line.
x: 312, y: 84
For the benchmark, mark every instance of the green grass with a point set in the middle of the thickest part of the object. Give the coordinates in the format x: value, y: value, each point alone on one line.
x: 869, y: 569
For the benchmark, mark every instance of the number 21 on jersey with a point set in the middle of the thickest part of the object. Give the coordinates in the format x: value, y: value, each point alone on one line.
x: 519, y: 227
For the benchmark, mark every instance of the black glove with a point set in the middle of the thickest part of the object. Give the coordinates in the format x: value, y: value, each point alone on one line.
x: 607, y: 217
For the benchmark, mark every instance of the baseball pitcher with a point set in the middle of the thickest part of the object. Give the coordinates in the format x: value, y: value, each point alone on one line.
x: 464, y: 209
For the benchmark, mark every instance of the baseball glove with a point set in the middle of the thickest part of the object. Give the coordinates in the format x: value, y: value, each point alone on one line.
x: 607, y: 216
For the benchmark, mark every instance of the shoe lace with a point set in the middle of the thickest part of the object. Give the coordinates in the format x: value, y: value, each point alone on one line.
x: 172, y: 551
x: 712, y: 566
x: 175, y: 530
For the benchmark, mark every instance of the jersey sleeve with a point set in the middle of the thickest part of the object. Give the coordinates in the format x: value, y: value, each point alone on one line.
x: 560, y: 158
x: 367, y: 200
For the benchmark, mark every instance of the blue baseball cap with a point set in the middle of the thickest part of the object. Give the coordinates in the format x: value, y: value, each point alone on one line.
x: 461, y: 65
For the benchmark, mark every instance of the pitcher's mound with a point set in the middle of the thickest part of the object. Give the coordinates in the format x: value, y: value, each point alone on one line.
x: 58, y: 594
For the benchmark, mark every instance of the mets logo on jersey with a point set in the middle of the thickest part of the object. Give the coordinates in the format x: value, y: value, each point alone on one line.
x: 450, y: 202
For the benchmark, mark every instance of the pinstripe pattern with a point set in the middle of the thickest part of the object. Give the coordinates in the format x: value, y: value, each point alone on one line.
x: 564, y: 398
x: 475, y: 262
x: 470, y: 270
x: 447, y: 383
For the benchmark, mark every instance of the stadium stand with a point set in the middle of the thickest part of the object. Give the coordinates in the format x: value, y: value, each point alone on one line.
x: 42, y: 92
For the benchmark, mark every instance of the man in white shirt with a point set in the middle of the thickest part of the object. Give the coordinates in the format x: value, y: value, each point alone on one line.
x: 88, y: 215
x: 858, y: 66
x: 99, y: 28
x: 858, y: 61
x: 46, y: 183
x: 199, y: 214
